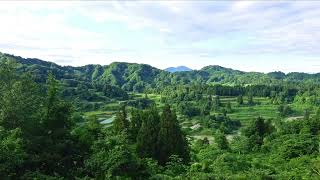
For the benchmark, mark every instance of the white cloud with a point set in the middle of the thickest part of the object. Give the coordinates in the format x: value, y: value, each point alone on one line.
x: 43, y: 29
x: 242, y: 5
x: 47, y: 36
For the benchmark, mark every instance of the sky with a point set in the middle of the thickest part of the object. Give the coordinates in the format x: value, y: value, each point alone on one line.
x: 251, y: 35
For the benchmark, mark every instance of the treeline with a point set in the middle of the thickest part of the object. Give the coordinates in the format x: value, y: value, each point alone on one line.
x: 180, y: 93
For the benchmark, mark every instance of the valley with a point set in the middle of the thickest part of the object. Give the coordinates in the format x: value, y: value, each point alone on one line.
x: 160, y: 90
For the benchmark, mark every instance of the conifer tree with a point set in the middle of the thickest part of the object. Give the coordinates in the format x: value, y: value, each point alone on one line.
x: 135, y: 123
x: 57, y: 152
x: 57, y: 121
x: 257, y: 131
x: 148, y: 134
x: 171, y: 141
x: 121, y: 122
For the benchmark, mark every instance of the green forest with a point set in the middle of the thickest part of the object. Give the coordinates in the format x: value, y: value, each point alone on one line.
x: 134, y: 121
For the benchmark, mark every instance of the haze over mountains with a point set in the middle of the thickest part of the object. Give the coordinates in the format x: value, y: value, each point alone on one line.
x: 177, y: 69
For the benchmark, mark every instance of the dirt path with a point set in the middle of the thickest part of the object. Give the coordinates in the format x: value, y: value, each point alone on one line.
x: 294, y: 118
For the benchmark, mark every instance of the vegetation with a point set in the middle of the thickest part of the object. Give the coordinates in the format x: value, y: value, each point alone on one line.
x: 132, y: 121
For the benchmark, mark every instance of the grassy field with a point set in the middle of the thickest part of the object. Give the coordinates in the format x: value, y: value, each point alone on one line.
x: 244, y: 113
x: 98, y: 113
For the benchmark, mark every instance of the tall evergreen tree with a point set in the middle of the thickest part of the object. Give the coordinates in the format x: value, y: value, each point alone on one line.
x: 257, y: 131
x: 54, y: 148
x: 171, y: 141
x: 148, y: 134
x: 121, y: 123
x: 57, y: 121
x: 135, y: 123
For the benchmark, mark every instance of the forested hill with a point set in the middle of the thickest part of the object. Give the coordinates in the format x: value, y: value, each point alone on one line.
x: 222, y: 75
x: 138, y: 77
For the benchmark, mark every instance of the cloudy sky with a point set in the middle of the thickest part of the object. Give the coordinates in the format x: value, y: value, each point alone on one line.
x: 246, y: 35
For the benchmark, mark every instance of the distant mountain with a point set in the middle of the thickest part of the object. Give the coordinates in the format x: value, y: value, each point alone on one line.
x: 177, y: 69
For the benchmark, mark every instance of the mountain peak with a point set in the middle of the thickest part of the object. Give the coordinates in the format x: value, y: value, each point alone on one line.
x: 177, y: 69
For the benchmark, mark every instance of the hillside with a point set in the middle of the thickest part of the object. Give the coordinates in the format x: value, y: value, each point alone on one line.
x: 138, y: 77
x: 133, y: 77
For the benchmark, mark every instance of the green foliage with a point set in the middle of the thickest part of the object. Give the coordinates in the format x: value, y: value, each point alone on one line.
x: 112, y: 158
x: 121, y: 123
x: 139, y: 77
x: 216, y: 103
x: 221, y: 141
x: 250, y: 99
x: 240, y: 100
x: 171, y: 141
x: 54, y: 135
x: 284, y: 110
x: 135, y: 123
x: 175, y: 166
x: 88, y: 133
x: 140, y: 103
x: 222, y: 122
x: 306, y: 114
x: 152, y: 166
x: 257, y: 131
x: 229, y: 108
x: 148, y: 134
x: 189, y: 110
x: 43, y: 137
x: 12, y: 154
x: 57, y: 113
x: 297, y: 146
x: 114, y: 91
x: 19, y: 101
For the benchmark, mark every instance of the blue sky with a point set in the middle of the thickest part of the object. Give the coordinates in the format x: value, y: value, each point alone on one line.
x: 246, y: 35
